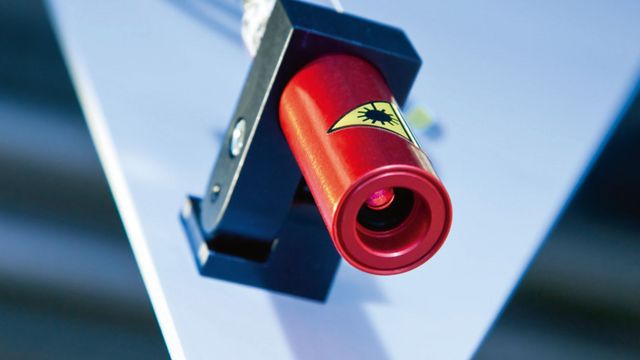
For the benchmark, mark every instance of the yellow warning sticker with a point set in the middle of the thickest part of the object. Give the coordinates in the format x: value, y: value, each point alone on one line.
x: 378, y: 114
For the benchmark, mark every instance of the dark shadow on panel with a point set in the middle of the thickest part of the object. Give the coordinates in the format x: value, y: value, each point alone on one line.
x: 580, y: 298
x: 337, y: 329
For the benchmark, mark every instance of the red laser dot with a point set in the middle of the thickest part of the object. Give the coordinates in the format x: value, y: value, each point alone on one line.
x: 380, y: 199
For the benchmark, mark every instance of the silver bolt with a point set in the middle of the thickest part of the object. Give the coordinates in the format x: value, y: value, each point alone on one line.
x: 215, y: 191
x: 237, y: 138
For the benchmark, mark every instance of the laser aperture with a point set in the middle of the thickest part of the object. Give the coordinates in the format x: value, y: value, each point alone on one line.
x: 381, y: 199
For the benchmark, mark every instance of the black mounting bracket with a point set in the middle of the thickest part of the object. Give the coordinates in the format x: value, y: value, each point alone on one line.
x: 257, y: 223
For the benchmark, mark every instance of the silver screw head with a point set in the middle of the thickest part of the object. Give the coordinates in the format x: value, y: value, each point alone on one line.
x: 215, y: 192
x: 238, y: 138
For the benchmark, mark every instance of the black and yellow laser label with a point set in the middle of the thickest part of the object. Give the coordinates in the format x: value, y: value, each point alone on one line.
x: 378, y: 114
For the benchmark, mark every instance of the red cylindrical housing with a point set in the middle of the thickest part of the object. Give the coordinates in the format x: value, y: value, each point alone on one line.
x: 385, y: 208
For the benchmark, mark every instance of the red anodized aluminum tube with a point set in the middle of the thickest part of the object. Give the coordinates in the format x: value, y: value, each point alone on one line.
x: 385, y: 208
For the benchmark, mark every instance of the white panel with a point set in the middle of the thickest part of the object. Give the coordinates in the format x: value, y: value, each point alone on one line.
x: 525, y: 93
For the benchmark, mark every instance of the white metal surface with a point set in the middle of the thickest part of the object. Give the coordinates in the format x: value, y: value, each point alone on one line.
x: 526, y: 92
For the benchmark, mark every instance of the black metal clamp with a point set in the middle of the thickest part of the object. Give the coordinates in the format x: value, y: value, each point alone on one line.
x: 257, y: 223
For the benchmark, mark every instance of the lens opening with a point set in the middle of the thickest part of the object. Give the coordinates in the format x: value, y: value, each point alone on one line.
x: 396, y: 229
x: 390, y: 216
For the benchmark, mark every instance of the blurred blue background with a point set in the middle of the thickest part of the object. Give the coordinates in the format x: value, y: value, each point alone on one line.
x: 69, y: 285
x: 70, y: 289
